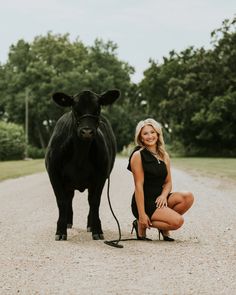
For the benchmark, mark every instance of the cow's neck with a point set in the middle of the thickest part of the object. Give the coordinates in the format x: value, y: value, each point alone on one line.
x: 83, y: 147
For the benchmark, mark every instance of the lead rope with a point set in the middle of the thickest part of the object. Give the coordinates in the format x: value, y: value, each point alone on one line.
x: 114, y: 243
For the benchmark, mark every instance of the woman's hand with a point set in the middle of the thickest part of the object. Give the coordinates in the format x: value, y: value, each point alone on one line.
x: 161, y: 201
x: 144, y: 221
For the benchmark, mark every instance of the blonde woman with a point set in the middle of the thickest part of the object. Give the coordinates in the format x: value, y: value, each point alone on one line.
x: 153, y: 202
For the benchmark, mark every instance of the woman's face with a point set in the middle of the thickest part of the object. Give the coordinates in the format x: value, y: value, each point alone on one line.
x: 149, y: 136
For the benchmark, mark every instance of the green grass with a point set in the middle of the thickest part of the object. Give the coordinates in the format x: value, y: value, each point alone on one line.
x: 218, y: 167
x: 13, y: 169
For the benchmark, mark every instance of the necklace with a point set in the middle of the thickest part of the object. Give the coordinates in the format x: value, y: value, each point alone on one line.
x: 154, y: 154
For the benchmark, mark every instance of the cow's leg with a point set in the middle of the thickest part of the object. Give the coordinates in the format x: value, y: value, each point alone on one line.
x: 89, y: 221
x: 94, y: 198
x: 64, y: 202
x: 70, y: 209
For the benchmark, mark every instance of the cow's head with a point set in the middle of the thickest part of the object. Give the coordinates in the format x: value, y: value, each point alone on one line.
x: 86, y: 108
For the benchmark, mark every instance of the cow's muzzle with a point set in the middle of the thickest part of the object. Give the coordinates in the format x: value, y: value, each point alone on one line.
x: 86, y: 133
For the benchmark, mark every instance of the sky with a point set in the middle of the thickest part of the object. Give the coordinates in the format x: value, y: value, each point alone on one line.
x: 142, y: 29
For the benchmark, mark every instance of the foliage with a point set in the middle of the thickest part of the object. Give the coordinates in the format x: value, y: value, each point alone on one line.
x: 193, y: 93
x: 53, y: 63
x: 12, y: 144
x: 35, y: 152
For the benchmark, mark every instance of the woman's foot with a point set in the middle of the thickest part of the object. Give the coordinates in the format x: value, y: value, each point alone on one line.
x: 141, y: 235
x: 166, y: 235
x: 141, y: 230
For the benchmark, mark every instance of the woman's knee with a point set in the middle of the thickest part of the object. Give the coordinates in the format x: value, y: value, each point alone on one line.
x: 178, y: 222
x: 189, y: 198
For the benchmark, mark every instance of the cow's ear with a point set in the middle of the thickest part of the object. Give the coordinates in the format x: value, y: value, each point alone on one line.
x: 63, y: 99
x: 109, y: 97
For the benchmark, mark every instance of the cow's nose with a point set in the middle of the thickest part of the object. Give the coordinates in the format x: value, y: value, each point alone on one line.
x: 87, y: 132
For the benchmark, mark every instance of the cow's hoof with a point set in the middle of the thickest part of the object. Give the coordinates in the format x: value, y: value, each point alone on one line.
x: 101, y: 236
x: 98, y: 236
x: 57, y: 237
x: 64, y: 237
x: 89, y: 229
x: 60, y: 237
x: 69, y: 225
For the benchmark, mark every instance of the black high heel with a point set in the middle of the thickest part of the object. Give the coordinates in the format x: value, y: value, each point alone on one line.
x: 165, y: 238
x: 135, y: 226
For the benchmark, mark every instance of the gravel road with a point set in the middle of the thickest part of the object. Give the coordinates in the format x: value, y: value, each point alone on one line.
x: 202, y: 260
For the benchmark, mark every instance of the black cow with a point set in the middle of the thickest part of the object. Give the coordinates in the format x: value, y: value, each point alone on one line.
x: 80, y: 156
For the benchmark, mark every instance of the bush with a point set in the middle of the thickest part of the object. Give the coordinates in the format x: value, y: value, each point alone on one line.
x: 35, y: 152
x: 12, y: 145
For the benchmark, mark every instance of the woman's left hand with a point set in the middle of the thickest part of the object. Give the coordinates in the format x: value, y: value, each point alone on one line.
x: 161, y: 201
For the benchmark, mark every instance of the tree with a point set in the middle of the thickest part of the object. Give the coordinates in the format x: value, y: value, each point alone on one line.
x: 193, y: 93
x: 53, y: 63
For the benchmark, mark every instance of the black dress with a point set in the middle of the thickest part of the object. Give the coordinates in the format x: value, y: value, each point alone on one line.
x: 155, y: 173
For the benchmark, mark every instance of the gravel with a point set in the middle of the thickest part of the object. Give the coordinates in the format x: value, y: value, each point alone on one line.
x: 202, y: 260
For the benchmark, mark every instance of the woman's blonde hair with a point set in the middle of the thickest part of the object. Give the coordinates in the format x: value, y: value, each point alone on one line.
x: 157, y: 127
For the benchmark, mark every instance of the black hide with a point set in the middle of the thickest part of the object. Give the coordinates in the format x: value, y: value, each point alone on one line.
x: 80, y: 156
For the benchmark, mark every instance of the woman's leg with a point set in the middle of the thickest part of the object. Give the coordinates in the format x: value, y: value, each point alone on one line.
x: 180, y: 201
x: 170, y: 218
x: 166, y: 219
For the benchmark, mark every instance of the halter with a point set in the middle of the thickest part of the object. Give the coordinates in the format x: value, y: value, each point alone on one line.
x: 78, y: 119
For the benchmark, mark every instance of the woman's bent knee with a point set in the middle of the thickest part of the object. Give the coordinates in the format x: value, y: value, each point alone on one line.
x: 190, y: 197
x: 178, y: 222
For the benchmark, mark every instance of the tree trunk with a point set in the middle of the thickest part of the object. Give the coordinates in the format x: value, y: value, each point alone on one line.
x: 41, y: 139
